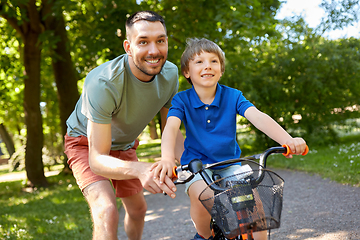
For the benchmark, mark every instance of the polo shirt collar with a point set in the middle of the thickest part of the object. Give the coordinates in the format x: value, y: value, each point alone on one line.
x: 197, y: 103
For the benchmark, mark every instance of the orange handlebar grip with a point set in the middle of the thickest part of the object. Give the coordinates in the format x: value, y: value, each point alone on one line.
x: 174, y: 171
x: 288, y: 151
x: 306, y: 151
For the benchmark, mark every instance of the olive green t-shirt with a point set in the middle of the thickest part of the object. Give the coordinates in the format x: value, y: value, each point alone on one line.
x: 112, y: 94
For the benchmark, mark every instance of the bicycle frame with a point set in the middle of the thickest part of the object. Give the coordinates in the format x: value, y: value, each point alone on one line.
x: 195, y: 166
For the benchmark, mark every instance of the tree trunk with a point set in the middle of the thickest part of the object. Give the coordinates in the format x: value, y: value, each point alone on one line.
x: 34, y: 137
x: 152, y: 128
x: 63, y: 67
x: 9, y: 143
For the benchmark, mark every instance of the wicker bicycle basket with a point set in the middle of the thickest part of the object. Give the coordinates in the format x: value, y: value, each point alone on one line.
x: 245, y: 204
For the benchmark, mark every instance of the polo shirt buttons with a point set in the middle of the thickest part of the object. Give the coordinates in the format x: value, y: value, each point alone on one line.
x: 206, y: 108
x: 208, y: 121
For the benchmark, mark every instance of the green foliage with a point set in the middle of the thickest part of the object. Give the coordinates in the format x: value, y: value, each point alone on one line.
x: 340, y: 13
x: 11, y: 80
x: 284, y: 67
x: 305, y: 82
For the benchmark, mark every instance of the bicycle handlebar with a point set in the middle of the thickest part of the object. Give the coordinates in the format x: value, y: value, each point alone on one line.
x: 196, y: 166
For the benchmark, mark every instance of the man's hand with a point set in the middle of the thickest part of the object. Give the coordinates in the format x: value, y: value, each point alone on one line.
x: 163, y: 168
x: 152, y: 184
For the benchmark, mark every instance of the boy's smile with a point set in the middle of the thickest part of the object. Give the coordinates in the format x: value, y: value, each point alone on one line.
x: 204, y: 70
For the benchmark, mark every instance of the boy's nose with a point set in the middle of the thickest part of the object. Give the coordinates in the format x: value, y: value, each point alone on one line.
x: 207, y: 65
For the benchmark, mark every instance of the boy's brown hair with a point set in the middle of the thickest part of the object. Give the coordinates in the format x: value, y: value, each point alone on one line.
x: 195, y: 46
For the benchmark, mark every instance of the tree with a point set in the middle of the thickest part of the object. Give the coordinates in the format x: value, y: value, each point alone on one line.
x: 62, y: 64
x: 340, y: 13
x: 30, y: 19
x: 5, y: 136
x: 25, y: 19
x: 304, y: 81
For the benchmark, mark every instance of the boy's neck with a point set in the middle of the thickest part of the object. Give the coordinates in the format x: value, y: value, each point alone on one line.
x: 206, y: 95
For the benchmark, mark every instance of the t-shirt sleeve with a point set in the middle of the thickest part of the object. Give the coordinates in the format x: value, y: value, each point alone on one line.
x: 243, y: 104
x: 178, y: 107
x: 98, y: 103
x: 176, y: 88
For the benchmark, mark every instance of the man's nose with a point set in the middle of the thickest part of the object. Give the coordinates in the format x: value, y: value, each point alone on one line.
x: 153, y: 49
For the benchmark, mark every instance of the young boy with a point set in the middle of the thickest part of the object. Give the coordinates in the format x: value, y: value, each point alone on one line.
x: 208, y: 111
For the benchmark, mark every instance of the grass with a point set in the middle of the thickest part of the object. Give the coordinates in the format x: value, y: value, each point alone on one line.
x: 58, y: 212
x: 340, y: 163
x: 61, y: 212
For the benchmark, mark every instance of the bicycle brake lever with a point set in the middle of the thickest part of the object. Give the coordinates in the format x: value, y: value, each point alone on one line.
x: 183, y: 177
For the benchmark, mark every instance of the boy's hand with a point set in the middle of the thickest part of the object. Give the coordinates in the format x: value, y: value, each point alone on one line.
x: 146, y: 178
x: 162, y: 169
x: 296, y: 145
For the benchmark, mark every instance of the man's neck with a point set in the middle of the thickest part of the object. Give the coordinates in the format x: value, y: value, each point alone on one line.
x: 138, y: 73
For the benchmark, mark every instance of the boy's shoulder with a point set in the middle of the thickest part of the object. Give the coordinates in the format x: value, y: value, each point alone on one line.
x: 226, y: 90
x: 184, y: 92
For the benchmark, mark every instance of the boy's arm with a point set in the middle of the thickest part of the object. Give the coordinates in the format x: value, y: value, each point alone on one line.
x: 168, y: 149
x: 179, y: 146
x: 273, y: 130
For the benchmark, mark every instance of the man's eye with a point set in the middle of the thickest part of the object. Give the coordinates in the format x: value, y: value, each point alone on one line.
x: 142, y: 42
x: 161, y: 41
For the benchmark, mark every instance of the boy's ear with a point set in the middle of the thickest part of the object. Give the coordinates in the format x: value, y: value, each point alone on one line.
x: 186, y: 74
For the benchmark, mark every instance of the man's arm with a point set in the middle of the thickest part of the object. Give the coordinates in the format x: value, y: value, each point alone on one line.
x: 101, y: 163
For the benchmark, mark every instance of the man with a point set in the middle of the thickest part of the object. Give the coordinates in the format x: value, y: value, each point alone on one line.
x: 119, y: 99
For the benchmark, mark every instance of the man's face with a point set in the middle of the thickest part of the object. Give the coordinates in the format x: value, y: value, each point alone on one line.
x: 147, y: 49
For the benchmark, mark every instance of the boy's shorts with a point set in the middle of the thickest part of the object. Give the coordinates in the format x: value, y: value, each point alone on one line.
x: 223, y: 172
x: 77, y: 151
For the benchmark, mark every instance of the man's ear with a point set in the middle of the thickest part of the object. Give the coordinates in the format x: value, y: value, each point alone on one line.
x: 127, y: 47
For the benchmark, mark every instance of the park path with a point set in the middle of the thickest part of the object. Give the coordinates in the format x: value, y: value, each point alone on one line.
x: 16, y: 176
x: 314, y: 209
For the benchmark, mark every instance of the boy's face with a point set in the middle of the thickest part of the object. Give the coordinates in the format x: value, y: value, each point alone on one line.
x: 147, y: 49
x: 204, y: 70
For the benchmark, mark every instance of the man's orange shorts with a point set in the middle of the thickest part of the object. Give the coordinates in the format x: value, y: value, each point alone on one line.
x: 77, y: 151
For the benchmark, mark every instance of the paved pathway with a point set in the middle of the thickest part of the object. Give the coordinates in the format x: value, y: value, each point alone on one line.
x: 314, y: 209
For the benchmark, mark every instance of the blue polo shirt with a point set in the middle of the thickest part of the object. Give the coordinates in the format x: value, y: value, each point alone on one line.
x: 210, y: 129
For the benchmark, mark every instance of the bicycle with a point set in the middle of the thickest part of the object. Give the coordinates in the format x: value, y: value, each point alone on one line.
x: 243, y: 203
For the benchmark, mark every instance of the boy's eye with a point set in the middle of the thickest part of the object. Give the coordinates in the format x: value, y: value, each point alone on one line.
x: 199, y: 61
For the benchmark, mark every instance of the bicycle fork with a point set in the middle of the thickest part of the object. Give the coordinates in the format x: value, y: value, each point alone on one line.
x: 246, y: 232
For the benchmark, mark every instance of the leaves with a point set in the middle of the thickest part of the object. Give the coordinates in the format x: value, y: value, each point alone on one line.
x: 284, y: 67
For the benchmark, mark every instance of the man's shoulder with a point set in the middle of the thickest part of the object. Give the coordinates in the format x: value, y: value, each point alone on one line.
x: 169, y: 64
x: 169, y: 68
x: 110, y: 69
